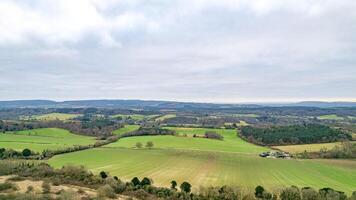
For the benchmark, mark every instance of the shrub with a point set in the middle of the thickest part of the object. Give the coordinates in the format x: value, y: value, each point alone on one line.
x: 138, y: 145
x: 46, y: 187
x: 173, y: 185
x: 149, y: 144
x: 291, y: 193
x: 106, y: 191
x: 26, y: 152
x: 213, y: 135
x: 29, y: 189
x: 185, y: 187
x: 16, y: 178
x: 135, y: 181
x: 7, y: 186
x: 103, y: 175
x: 309, y: 194
x: 146, y: 181
x: 329, y: 193
x: 259, y: 191
x: 68, y: 195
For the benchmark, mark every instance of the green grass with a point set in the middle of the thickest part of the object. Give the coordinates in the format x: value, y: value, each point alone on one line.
x: 126, y: 129
x: 135, y: 116
x: 246, y: 115
x: 40, y: 139
x: 52, y: 116
x: 211, y: 168
x: 231, y: 142
x: 241, y: 123
x: 205, y: 162
x: 164, y: 117
x: 330, y: 117
x: 307, y: 147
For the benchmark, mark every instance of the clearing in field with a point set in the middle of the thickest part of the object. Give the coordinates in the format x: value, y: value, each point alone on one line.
x: 40, y: 139
x: 126, y: 129
x: 307, y: 147
x: 164, y: 117
x: 330, y: 117
x: 52, y: 116
x: 206, y: 162
x: 134, y: 116
x: 241, y: 123
x: 246, y: 115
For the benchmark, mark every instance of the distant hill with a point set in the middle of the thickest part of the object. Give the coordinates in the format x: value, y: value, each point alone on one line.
x: 27, y: 103
x: 159, y: 104
x: 322, y: 104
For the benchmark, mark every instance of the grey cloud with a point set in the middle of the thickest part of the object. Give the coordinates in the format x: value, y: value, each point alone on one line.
x: 224, y: 51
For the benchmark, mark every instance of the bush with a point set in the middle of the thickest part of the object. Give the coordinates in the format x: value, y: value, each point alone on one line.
x: 291, y: 193
x: 68, y: 195
x: 46, y: 187
x: 173, y: 185
x: 103, y: 175
x: 309, y: 194
x: 149, y: 144
x: 259, y: 191
x: 7, y: 186
x: 213, y: 135
x: 138, y: 145
x: 146, y: 181
x: 16, y: 178
x: 135, y: 181
x: 106, y: 191
x: 329, y: 193
x: 185, y: 187
x: 26, y: 152
x: 29, y: 189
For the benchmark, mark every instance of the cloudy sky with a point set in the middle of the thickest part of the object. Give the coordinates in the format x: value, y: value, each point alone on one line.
x: 186, y: 50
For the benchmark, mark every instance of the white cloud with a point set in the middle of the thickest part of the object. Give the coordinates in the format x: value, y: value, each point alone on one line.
x: 185, y: 50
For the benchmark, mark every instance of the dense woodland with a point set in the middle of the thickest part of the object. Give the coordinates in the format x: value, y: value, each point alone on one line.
x: 295, y: 134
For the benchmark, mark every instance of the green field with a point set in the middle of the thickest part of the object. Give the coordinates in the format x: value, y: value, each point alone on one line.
x: 246, y: 115
x: 241, y: 123
x: 231, y: 142
x: 307, y: 147
x: 205, y: 162
x: 126, y: 129
x: 41, y: 139
x: 52, y: 116
x: 330, y: 117
x: 164, y: 117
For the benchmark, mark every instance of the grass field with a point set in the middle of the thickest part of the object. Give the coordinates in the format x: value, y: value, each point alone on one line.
x: 246, y: 115
x: 163, y: 117
x: 330, y: 117
x: 135, y: 116
x: 52, y: 116
x: 241, y: 123
x: 205, y: 162
x: 231, y: 142
x: 126, y: 128
x: 40, y: 139
x: 308, y: 147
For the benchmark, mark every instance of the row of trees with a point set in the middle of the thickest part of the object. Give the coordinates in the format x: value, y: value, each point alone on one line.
x: 101, y: 127
x: 143, y: 131
x: 149, y: 145
x: 344, y: 150
x: 47, y: 153
x: 295, y: 134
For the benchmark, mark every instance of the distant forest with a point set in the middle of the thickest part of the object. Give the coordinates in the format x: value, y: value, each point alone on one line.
x: 295, y: 134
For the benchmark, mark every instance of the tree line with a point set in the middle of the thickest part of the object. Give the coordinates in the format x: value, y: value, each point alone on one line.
x: 294, y: 134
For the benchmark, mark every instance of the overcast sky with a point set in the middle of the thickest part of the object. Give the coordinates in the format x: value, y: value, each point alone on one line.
x: 186, y: 50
